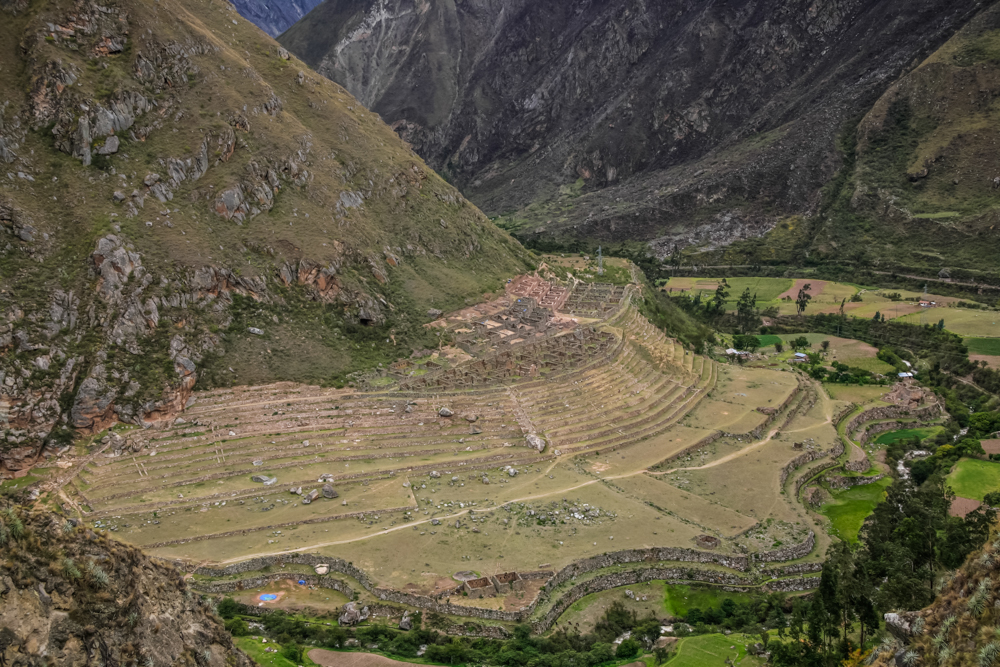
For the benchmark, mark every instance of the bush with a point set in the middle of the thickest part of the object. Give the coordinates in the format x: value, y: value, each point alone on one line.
x: 228, y: 608
x: 628, y: 649
x: 237, y: 627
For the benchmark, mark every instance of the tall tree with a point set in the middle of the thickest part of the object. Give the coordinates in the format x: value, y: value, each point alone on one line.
x: 802, y: 300
x: 746, y: 312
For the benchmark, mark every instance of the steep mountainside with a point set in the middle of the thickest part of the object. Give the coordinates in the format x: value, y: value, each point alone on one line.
x: 678, y: 122
x: 961, y: 627
x: 926, y: 165
x: 182, y: 202
x: 274, y: 16
x: 74, y: 598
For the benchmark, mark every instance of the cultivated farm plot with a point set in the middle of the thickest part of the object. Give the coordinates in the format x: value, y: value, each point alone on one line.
x: 962, y: 321
x: 712, y: 650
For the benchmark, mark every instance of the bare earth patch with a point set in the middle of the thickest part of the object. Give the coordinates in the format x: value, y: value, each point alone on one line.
x: 962, y: 506
x: 991, y: 361
x: 351, y: 659
x: 991, y: 446
x: 817, y: 287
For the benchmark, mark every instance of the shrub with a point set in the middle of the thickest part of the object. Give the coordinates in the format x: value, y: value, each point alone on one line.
x: 628, y: 649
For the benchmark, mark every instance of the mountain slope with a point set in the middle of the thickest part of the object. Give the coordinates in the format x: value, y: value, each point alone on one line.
x: 274, y: 16
x: 172, y: 179
x: 74, y: 598
x: 685, y: 122
x: 926, y: 166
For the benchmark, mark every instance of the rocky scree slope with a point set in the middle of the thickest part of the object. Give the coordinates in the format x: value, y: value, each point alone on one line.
x: 72, y: 597
x: 274, y: 16
x: 181, y: 199
x: 685, y: 122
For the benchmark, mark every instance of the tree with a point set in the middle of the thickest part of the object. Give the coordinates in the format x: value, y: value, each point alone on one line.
x: 228, y: 608
x: 747, y: 342
x: 800, y: 343
x: 661, y: 653
x: 746, y: 312
x: 779, y: 347
x: 802, y: 300
x: 721, y: 294
x: 825, y: 345
x: 293, y: 652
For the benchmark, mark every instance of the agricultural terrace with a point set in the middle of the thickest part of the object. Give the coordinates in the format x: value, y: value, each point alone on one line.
x: 556, y: 425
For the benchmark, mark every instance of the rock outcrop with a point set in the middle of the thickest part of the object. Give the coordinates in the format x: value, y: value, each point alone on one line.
x: 164, y: 190
x: 99, y: 600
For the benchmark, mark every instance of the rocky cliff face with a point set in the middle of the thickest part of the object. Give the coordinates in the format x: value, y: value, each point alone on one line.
x: 685, y: 122
x: 180, y: 194
x: 274, y: 16
x: 74, y: 598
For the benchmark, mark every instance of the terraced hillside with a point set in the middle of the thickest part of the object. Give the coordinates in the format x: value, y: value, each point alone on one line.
x: 536, y: 439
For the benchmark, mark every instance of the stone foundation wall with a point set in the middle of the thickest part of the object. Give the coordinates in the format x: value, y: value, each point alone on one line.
x: 893, y: 412
x: 265, y: 579
x: 800, y: 460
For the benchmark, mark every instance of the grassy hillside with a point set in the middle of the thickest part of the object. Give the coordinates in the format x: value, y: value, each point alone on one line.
x: 173, y: 178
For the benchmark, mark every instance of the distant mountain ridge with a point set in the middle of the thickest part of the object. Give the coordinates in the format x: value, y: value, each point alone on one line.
x: 675, y: 123
x: 274, y: 16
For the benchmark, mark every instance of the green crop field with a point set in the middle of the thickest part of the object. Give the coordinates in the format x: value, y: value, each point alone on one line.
x: 895, y: 436
x: 851, y: 507
x: 712, y: 651
x: 678, y: 599
x: 988, y: 346
x: 972, y: 478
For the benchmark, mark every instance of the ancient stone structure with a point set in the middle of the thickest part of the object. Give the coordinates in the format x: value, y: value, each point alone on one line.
x: 506, y: 582
x: 479, y: 588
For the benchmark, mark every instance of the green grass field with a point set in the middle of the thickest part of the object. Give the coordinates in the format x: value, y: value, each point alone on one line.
x: 989, y: 346
x: 851, y: 507
x: 768, y: 340
x: 712, y: 651
x: 678, y: 600
x: 972, y: 478
x: 255, y: 649
x: 895, y: 436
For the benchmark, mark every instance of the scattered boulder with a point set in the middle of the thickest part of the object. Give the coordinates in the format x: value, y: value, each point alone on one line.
x: 445, y: 412
x: 435, y: 522
x: 255, y: 331
x: 322, y: 568
x: 329, y: 492
x: 434, y: 313
x: 435, y: 474
x: 297, y: 490
x: 259, y: 478
x: 325, y: 477
x: 535, y: 442
x: 352, y: 614
x: 471, y: 418
x: 406, y: 623
x: 475, y: 430
x: 309, y: 497
x: 271, y: 481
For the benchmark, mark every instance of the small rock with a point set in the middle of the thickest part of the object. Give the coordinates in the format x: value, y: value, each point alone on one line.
x: 255, y: 331
x: 445, y: 412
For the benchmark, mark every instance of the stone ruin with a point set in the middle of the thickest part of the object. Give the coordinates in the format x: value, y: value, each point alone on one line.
x: 506, y: 582
x: 707, y: 541
x: 908, y: 394
x: 479, y: 588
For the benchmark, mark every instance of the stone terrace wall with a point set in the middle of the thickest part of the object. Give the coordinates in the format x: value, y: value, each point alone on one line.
x: 265, y: 579
x: 893, y: 412
x: 800, y: 460
x: 841, y: 482
x: 735, y: 562
x: 872, y: 430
